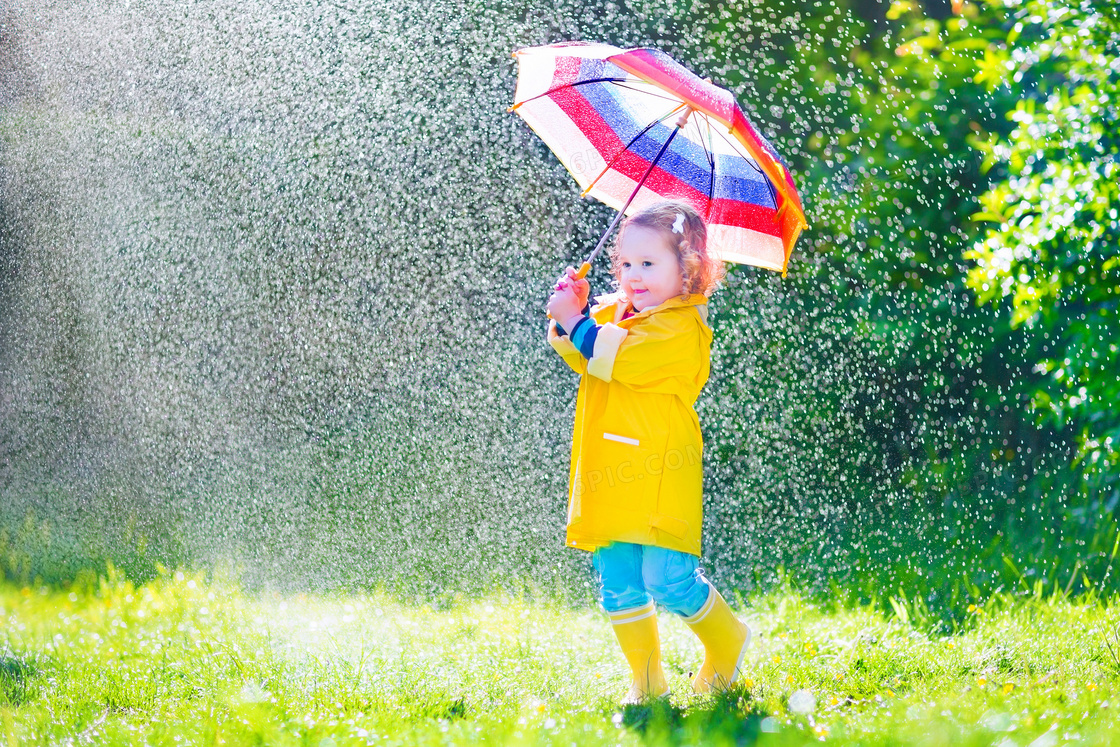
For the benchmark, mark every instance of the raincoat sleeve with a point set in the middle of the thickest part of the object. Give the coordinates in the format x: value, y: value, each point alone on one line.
x: 662, y: 355
x: 562, y: 345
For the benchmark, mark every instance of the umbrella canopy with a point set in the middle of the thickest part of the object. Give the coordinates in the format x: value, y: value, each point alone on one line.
x: 633, y: 126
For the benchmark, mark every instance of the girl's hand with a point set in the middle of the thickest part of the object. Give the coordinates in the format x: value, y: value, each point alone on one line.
x: 565, y: 306
x: 579, y: 286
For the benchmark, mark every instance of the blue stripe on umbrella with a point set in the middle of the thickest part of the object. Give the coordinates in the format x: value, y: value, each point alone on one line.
x: 736, y: 179
x: 686, y: 161
x: 609, y: 100
x: 743, y: 190
x: 591, y: 69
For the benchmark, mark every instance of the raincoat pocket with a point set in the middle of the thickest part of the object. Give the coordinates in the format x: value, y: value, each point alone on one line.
x: 621, y: 479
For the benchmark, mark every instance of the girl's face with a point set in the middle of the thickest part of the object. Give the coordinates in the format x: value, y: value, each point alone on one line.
x: 650, y: 273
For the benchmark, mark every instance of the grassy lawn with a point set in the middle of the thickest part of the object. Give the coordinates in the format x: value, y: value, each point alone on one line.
x: 183, y: 660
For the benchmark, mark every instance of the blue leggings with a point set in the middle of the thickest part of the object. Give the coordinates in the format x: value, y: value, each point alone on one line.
x: 632, y: 574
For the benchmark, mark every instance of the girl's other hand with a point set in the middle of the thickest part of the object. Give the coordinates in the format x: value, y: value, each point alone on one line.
x: 564, y: 306
x: 579, y: 286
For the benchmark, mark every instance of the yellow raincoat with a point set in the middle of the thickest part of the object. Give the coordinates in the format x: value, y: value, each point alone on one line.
x: 637, y: 471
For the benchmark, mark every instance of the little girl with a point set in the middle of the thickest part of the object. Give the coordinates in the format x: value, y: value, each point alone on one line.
x: 635, y: 482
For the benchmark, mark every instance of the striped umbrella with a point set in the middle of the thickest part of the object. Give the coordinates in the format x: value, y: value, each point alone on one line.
x: 633, y: 126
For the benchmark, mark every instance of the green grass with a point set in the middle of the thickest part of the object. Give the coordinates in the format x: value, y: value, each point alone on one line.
x: 182, y: 660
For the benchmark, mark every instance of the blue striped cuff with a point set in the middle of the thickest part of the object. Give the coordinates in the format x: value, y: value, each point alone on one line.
x: 583, y: 337
x: 586, y: 310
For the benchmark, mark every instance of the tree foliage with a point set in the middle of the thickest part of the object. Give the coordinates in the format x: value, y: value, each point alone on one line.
x: 899, y: 136
x: 1053, y: 248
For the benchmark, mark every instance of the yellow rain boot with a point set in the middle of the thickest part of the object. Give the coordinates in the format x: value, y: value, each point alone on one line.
x: 636, y: 630
x: 725, y: 641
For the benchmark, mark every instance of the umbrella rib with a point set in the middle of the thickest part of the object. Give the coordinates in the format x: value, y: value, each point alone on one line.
x: 710, y: 153
x: 745, y: 156
x: 633, y: 140
x: 566, y: 85
x: 755, y: 166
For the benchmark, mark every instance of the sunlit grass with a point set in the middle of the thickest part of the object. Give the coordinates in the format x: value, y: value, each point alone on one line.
x: 183, y: 660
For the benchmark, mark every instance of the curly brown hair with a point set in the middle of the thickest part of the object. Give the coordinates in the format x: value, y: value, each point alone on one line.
x: 700, y: 273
